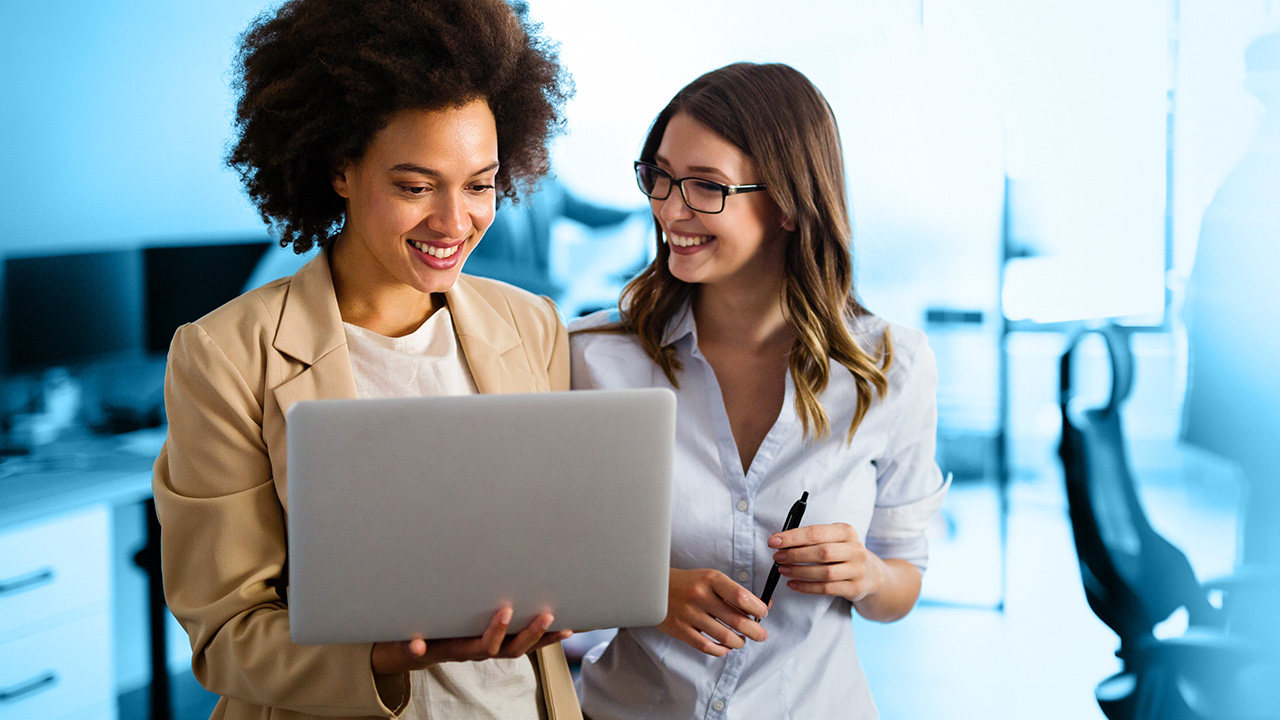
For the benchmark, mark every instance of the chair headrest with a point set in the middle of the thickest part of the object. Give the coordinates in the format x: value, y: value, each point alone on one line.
x: 1120, y: 354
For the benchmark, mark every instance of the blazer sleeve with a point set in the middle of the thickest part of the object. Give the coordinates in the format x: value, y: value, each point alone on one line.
x: 224, y: 550
x: 558, y: 358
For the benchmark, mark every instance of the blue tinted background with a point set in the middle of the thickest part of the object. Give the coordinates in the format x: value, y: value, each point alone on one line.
x: 1042, y: 162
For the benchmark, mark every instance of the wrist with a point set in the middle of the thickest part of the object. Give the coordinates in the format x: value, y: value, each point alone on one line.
x: 896, y: 593
x: 874, y: 577
x: 395, y: 658
x: 392, y: 687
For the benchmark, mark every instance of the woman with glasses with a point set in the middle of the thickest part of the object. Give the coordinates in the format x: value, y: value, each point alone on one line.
x: 786, y: 385
x: 383, y: 132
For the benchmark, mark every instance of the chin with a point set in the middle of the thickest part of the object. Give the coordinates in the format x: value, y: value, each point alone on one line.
x: 682, y: 272
x: 440, y: 280
x: 445, y: 284
x: 437, y: 281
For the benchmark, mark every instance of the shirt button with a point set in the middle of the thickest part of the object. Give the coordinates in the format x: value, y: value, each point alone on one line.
x: 744, y: 576
x: 718, y: 706
x: 742, y: 505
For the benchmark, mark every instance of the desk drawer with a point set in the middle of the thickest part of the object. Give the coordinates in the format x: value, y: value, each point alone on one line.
x: 63, y: 671
x: 50, y: 567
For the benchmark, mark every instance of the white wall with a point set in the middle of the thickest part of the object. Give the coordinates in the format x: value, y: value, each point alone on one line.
x: 1216, y: 114
x: 917, y: 111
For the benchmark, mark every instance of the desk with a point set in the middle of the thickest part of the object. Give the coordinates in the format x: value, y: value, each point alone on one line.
x: 54, y: 509
x: 70, y: 476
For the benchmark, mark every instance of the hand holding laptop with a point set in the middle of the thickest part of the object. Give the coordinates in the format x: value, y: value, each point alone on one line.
x: 390, y: 658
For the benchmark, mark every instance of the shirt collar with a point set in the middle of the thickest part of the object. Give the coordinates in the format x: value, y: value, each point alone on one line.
x: 681, y: 325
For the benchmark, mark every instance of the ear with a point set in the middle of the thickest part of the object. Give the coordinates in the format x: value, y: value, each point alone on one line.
x: 339, y: 179
x: 788, y: 224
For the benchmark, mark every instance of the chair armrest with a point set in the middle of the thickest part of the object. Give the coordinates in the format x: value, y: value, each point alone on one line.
x: 1247, y: 578
x: 1216, y: 675
x: 1249, y: 599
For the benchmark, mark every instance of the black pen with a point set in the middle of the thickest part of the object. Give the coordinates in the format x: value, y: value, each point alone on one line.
x: 793, y: 522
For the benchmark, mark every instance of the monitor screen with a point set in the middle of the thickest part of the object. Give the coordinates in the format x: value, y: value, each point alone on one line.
x: 71, y: 309
x: 186, y: 282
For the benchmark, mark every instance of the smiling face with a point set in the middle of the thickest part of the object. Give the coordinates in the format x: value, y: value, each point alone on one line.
x: 418, y: 200
x: 745, y: 243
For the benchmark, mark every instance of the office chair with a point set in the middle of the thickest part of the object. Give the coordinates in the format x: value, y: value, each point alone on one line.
x: 1134, y: 579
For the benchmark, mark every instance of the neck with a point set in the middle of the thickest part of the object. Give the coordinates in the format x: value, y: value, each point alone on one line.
x: 742, y: 316
x: 373, y: 300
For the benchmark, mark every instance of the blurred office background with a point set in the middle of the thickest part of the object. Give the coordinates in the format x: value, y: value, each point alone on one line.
x: 1018, y: 171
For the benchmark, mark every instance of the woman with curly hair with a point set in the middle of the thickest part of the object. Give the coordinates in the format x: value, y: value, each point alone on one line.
x: 383, y: 131
x: 786, y: 385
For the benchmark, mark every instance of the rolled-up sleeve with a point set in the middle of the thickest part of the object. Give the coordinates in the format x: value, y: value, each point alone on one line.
x: 909, y: 486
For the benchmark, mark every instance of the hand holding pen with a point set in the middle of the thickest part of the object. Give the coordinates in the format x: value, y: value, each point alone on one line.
x: 794, y: 515
x: 825, y: 559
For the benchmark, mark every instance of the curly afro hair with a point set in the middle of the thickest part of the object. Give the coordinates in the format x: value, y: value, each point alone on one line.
x: 317, y: 79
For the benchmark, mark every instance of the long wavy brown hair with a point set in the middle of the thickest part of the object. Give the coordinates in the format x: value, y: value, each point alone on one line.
x: 782, y: 122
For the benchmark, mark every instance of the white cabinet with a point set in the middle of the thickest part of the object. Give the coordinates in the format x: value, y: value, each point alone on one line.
x: 55, y: 621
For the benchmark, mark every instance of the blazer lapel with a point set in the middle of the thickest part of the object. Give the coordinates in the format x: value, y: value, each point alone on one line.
x: 328, y: 377
x: 310, y: 334
x: 558, y: 695
x: 310, y: 324
x: 490, y: 343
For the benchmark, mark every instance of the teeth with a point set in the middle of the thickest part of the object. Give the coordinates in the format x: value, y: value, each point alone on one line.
x: 687, y: 240
x: 434, y: 251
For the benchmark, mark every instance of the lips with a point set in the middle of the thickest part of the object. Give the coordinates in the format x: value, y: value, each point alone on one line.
x: 436, y: 251
x: 681, y: 244
x: 685, y: 241
x: 437, y: 257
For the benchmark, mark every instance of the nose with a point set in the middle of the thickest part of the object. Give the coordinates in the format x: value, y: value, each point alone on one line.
x: 450, y: 216
x: 673, y: 208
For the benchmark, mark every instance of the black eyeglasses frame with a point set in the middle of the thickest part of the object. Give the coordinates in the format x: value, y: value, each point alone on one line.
x: 725, y: 190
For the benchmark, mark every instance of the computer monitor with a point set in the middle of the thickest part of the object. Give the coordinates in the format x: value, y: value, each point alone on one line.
x: 185, y: 282
x: 71, y: 309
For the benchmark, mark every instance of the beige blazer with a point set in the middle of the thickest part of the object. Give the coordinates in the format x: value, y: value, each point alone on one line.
x: 221, y: 489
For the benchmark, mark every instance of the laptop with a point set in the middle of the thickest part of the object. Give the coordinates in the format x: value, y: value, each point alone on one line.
x: 423, y: 516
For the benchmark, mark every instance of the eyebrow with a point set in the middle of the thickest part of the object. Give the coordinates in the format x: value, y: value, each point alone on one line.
x: 420, y: 170
x: 695, y: 168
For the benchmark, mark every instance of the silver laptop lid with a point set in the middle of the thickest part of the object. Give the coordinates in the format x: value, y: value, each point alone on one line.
x: 421, y: 516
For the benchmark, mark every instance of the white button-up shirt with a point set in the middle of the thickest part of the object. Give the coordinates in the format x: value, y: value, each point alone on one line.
x: 885, y: 484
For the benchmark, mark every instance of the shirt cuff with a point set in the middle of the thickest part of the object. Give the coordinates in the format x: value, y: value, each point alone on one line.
x: 899, y: 531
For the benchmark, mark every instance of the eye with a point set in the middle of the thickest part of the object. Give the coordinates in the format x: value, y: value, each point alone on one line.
x: 481, y: 187
x: 414, y: 189
x: 704, y: 186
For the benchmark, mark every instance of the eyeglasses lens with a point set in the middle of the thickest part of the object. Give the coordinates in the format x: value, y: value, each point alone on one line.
x: 703, y: 196
x: 653, y: 181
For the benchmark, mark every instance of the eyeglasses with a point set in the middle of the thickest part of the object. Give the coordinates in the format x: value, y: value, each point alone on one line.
x: 704, y: 196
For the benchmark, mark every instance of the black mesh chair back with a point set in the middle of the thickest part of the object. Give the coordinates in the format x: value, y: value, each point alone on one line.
x: 1133, y: 578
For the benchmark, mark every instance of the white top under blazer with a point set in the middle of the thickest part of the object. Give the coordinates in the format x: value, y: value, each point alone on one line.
x: 428, y: 362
